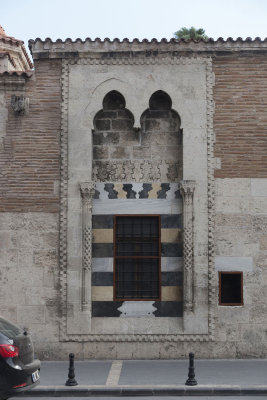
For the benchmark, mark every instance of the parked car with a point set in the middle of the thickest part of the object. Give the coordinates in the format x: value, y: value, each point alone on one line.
x: 19, y: 371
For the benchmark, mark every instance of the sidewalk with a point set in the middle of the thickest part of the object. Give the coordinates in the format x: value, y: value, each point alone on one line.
x: 153, y: 378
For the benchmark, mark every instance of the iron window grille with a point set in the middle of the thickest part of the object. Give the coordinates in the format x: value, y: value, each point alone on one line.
x: 137, y: 252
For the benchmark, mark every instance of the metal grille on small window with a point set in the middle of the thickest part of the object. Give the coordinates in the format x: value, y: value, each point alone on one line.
x: 137, y: 257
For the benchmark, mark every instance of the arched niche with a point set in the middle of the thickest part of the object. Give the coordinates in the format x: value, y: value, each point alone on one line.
x: 114, y: 100
x: 113, y: 136
x: 161, y: 132
x: 133, y: 100
x: 160, y: 100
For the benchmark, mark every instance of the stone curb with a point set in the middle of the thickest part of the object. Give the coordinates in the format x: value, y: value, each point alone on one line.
x: 178, y: 390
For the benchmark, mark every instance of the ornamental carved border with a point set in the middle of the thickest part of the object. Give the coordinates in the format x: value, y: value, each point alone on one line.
x: 187, y: 191
x: 63, y: 241
x: 211, y: 199
x: 140, y: 60
x: 63, y: 201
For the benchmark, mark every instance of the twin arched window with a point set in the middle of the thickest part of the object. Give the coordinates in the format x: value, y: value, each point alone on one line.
x: 118, y: 147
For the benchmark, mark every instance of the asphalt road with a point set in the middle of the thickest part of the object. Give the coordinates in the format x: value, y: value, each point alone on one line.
x: 146, y: 398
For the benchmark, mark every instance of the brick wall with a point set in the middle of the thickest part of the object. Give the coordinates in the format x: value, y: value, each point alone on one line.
x: 29, y: 156
x: 240, y: 121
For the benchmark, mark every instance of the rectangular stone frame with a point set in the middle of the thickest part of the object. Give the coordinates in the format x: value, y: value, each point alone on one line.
x: 198, y: 319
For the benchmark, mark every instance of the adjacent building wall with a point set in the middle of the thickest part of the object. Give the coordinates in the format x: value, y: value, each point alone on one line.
x: 240, y: 123
x: 29, y: 203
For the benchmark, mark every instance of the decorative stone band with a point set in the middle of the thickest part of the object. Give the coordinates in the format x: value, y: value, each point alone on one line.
x: 87, y: 190
x: 187, y: 190
x: 135, y: 171
x: 152, y: 190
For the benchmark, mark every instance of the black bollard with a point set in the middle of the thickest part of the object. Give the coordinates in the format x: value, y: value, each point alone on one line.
x: 71, y: 381
x: 191, y: 373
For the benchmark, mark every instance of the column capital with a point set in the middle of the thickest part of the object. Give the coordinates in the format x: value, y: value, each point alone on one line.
x: 87, y: 190
x: 187, y: 187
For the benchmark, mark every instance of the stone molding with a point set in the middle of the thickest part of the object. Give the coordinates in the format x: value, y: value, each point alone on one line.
x: 187, y: 191
x: 211, y: 200
x: 87, y: 190
x: 138, y: 338
x: 60, y: 48
x: 64, y: 336
x: 140, y: 60
x: 63, y: 241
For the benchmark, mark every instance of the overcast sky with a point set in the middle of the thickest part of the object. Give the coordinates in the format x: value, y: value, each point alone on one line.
x: 29, y: 19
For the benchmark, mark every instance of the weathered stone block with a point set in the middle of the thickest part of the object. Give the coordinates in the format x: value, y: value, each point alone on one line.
x: 9, y: 258
x: 152, y: 125
x: 5, y: 240
x: 170, y: 125
x: 141, y: 152
x: 51, y: 277
x: 42, y: 258
x: 120, y: 152
x: 100, y: 152
x: 34, y: 296
x: 46, y: 351
x: 237, y: 187
x: 122, y: 124
x: 103, y: 124
x: 104, y: 114
x: 234, y: 263
x: 263, y: 243
x: 105, y: 138
x: 154, y: 114
x: 29, y: 315
x: 49, y: 239
x: 131, y: 137
x: 259, y: 187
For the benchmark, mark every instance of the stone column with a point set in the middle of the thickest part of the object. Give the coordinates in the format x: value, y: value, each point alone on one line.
x: 187, y: 190
x: 87, y: 191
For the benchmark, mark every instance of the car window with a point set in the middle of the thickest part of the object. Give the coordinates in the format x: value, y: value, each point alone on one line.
x: 9, y: 329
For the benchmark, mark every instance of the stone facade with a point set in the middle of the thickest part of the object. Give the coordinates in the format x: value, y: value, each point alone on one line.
x: 172, y: 129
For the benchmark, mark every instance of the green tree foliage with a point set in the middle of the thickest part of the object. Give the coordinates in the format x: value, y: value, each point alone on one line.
x: 190, y: 33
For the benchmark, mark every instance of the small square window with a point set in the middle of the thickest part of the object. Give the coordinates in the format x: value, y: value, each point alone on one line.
x: 231, y: 288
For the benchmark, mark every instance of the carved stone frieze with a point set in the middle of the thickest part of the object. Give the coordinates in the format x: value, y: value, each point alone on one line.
x: 173, y: 171
x: 135, y: 171
x: 19, y: 104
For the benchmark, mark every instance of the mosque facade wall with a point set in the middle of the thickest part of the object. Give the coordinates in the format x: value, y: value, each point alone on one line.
x: 104, y: 136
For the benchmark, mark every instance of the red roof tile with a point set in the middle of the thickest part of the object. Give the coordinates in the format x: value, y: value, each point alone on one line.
x: 9, y: 39
x: 164, y: 40
x: 2, y: 31
x: 26, y: 74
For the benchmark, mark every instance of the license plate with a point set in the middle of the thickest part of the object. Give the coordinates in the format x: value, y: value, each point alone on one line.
x: 35, y: 375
